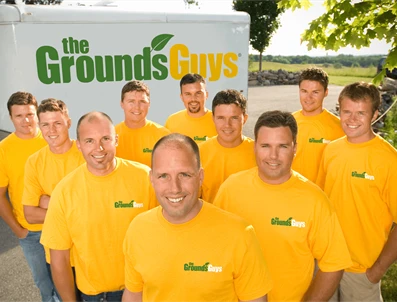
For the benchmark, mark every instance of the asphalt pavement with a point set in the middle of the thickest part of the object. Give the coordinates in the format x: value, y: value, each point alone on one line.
x: 16, y: 282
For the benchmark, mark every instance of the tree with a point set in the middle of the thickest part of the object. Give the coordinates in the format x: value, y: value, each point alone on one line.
x: 354, y: 23
x: 264, y: 22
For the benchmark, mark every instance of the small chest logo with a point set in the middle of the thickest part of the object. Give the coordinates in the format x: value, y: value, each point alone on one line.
x: 131, y: 204
x: 364, y: 175
x: 312, y: 140
x: 290, y: 222
x: 207, y: 267
x: 202, y: 138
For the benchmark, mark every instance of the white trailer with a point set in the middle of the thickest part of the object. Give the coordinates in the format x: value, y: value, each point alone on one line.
x: 84, y: 55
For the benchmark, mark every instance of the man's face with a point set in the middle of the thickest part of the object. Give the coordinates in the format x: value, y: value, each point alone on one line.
x: 136, y: 105
x: 176, y: 180
x: 274, y: 152
x: 194, y: 96
x: 229, y: 121
x: 312, y: 94
x: 25, y: 120
x: 97, y: 142
x: 356, y: 119
x: 55, y: 128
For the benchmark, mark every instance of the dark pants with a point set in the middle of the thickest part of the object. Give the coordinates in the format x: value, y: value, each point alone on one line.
x: 103, y: 297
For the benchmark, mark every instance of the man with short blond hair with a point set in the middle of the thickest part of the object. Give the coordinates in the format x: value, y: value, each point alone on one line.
x: 359, y: 174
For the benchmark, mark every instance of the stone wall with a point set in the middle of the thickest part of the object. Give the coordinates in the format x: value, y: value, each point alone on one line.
x: 273, y: 77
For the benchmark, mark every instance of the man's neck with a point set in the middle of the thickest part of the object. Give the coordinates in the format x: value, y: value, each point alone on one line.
x: 135, y: 125
x: 63, y: 148
x: 27, y: 136
x: 198, y: 114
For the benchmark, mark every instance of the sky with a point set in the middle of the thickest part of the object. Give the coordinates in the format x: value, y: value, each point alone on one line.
x: 285, y: 42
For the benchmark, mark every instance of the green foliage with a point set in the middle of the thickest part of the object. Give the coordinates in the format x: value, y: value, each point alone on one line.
x: 389, y: 284
x: 355, y: 64
x: 338, y: 66
x: 352, y: 23
x: 264, y: 21
x: 390, y: 135
x: 345, y: 60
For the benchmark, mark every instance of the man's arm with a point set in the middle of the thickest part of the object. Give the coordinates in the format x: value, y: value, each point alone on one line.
x: 385, y: 259
x: 261, y: 299
x: 131, y: 296
x: 8, y: 216
x: 323, y: 286
x: 62, y: 274
x: 34, y: 214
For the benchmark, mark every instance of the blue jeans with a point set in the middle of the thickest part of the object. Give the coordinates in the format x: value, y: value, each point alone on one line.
x: 35, y: 256
x: 103, y: 297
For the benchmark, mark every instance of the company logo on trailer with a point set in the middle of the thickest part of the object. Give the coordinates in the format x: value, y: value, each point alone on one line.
x: 55, y: 68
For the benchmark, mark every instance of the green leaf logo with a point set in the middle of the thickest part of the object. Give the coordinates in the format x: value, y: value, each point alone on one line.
x: 159, y: 42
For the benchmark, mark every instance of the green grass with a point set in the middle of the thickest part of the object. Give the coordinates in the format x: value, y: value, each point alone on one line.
x: 337, y: 76
x: 389, y: 284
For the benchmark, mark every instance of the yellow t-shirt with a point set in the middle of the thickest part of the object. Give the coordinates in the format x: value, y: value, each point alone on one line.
x: 295, y: 225
x: 91, y: 214
x: 214, y: 257
x: 200, y: 128
x: 361, y: 183
x: 14, y: 152
x: 44, y: 170
x: 220, y: 162
x: 314, y: 133
x: 137, y: 144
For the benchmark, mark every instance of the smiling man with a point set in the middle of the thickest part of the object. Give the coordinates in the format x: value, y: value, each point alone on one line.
x: 317, y: 126
x: 359, y: 175
x: 90, y: 211
x: 230, y: 151
x: 196, y: 251
x: 46, y: 168
x: 292, y: 217
x: 137, y: 135
x: 195, y: 121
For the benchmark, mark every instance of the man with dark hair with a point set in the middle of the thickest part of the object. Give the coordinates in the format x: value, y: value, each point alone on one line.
x: 292, y: 217
x: 90, y: 211
x: 137, y: 135
x: 317, y: 126
x: 196, y: 120
x: 230, y: 151
x: 359, y: 174
x: 206, y: 254
x: 14, y: 151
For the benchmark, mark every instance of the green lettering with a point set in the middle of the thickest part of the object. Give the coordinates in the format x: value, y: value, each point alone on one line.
x: 118, y: 66
x: 101, y: 75
x: 85, y: 69
x: 50, y: 73
x: 142, y: 65
x: 162, y: 72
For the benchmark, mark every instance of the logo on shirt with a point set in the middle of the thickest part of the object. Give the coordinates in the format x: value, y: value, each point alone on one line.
x: 290, y: 222
x: 207, y: 267
x: 147, y: 150
x: 132, y: 204
x: 198, y: 138
x: 319, y: 141
x: 363, y: 175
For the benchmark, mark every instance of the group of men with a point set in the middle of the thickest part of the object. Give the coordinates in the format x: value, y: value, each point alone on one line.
x: 239, y: 219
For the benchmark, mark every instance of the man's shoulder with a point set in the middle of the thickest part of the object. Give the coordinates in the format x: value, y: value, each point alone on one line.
x: 217, y: 215
x: 209, y: 144
x: 245, y: 176
x: 39, y: 155
x: 153, y: 126
x: 176, y: 115
x: 129, y: 166
x: 9, y: 141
